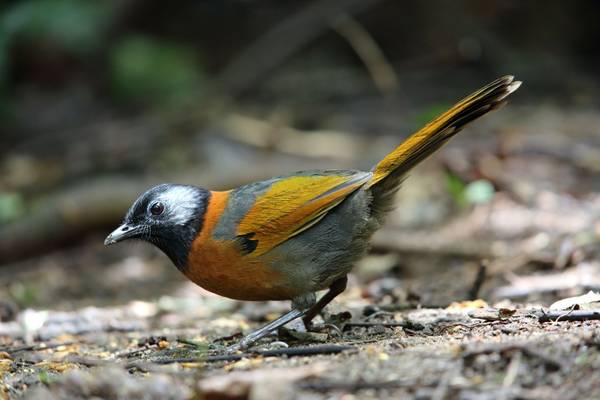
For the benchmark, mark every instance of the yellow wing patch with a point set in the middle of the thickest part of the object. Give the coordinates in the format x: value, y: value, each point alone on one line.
x: 294, y: 204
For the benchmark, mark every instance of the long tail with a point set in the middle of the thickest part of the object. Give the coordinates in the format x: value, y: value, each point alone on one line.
x: 388, y: 173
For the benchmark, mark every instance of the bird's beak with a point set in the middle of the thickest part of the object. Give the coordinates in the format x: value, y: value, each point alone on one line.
x: 122, y: 233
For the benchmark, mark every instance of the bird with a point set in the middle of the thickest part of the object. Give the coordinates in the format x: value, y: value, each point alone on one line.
x: 291, y: 236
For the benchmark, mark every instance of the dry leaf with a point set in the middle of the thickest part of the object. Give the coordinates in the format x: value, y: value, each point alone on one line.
x: 588, y: 301
x: 506, y: 312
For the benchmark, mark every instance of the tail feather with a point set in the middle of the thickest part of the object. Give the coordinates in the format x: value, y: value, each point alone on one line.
x: 388, y: 173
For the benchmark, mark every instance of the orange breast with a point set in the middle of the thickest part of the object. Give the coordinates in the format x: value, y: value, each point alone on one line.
x: 218, y: 266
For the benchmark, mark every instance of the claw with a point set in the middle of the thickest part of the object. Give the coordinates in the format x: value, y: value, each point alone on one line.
x: 334, y: 328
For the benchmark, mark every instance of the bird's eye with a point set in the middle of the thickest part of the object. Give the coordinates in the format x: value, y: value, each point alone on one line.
x: 157, y: 208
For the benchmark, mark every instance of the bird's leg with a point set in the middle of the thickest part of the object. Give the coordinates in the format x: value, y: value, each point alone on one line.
x: 300, y: 305
x: 258, y: 334
x: 337, y: 287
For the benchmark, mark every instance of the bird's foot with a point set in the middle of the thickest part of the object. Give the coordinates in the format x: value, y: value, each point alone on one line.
x: 244, y: 344
x: 234, y: 348
x: 330, y: 329
x: 329, y: 323
x: 255, y: 336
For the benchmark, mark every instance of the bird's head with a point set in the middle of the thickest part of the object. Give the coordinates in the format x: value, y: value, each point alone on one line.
x: 170, y: 216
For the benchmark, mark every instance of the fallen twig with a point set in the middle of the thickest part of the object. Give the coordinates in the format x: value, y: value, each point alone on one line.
x: 405, y: 324
x: 351, y: 387
x: 289, y: 352
x: 573, y: 315
x: 444, y: 328
x: 395, y: 307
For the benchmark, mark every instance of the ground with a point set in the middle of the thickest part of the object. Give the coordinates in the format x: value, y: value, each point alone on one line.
x: 449, y: 303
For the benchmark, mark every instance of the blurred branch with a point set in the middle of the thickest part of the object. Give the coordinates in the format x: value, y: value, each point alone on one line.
x: 428, y: 242
x: 370, y: 53
x: 478, y: 282
x: 285, y: 39
x: 268, y: 135
x: 585, y: 275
